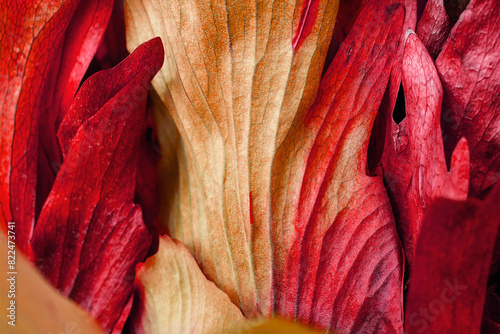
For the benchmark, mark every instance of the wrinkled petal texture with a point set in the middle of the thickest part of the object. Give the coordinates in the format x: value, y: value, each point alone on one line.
x: 448, y: 285
x: 178, y: 298
x: 384, y: 123
x: 236, y: 75
x: 45, y: 47
x: 416, y: 173
x: 434, y: 27
x: 338, y: 261
x: 90, y: 234
x: 469, y: 67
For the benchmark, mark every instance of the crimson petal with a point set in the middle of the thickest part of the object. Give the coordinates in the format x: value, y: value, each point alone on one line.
x: 434, y: 27
x: 44, y: 47
x: 415, y: 169
x: 90, y: 234
x: 338, y: 262
x: 469, y: 67
x: 448, y: 285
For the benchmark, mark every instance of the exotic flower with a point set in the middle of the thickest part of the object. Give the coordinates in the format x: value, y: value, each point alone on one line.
x: 331, y: 163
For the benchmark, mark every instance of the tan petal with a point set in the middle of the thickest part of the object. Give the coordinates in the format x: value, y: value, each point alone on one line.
x: 236, y: 74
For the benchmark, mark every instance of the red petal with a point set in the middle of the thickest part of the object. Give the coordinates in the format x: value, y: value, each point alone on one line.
x: 338, y: 258
x: 448, y: 284
x: 113, y: 48
x: 415, y: 170
x: 80, y: 42
x: 434, y: 27
x: 469, y: 67
x: 37, y: 68
x: 384, y: 124
x: 90, y: 234
x: 308, y: 16
x: 395, y: 79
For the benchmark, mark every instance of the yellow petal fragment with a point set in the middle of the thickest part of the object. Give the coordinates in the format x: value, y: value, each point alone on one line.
x: 277, y: 325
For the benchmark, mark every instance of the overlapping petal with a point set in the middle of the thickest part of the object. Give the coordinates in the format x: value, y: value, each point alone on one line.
x: 236, y: 75
x: 338, y: 262
x: 175, y: 296
x: 90, y: 234
x: 469, y: 68
x: 45, y: 47
x: 434, y: 27
x: 414, y: 163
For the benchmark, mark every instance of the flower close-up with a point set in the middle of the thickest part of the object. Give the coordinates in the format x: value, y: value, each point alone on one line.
x: 271, y: 166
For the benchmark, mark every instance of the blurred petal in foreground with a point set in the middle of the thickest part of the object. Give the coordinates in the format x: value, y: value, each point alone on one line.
x: 448, y: 285
x: 39, y: 308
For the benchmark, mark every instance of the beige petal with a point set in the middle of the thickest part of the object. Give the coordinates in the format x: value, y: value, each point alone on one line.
x: 178, y: 298
x: 235, y: 77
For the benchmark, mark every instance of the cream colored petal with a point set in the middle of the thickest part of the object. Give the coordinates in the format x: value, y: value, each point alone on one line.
x: 233, y: 83
x: 178, y: 298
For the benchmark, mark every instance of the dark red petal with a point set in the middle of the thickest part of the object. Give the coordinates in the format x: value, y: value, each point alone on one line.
x: 469, y: 67
x: 395, y: 79
x: 491, y: 313
x: 120, y: 323
x: 338, y: 261
x: 90, y: 234
x: 113, y: 48
x: 434, y: 27
x: 349, y: 11
x: 448, y: 284
x: 147, y: 191
x: 43, y: 51
x: 415, y: 169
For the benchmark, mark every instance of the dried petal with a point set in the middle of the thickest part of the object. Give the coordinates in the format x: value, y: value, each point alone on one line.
x: 415, y: 171
x: 338, y: 261
x: 434, y: 27
x: 469, y: 67
x: 175, y: 296
x: 234, y: 80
